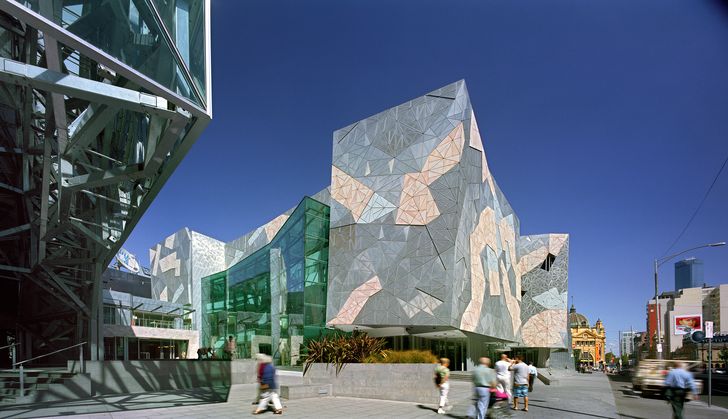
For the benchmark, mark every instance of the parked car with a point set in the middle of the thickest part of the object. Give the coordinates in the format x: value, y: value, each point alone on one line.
x: 649, y: 375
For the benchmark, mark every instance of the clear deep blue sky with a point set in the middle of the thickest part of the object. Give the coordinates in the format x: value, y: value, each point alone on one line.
x: 603, y: 119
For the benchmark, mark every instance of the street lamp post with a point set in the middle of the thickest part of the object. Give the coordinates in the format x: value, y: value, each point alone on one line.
x: 658, y: 263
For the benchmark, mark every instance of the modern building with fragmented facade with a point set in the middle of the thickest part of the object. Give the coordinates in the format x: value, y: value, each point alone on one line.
x: 413, y: 241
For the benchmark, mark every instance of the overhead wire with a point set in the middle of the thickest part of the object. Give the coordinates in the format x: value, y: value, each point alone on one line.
x: 695, y: 213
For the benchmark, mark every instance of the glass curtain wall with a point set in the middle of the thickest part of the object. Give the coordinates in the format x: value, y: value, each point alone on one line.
x: 163, y: 39
x: 274, y: 300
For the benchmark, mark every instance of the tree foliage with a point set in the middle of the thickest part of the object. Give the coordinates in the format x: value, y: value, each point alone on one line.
x: 723, y: 355
x: 577, y: 358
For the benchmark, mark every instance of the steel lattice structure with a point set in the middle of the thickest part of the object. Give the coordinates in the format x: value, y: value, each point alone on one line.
x: 99, y: 102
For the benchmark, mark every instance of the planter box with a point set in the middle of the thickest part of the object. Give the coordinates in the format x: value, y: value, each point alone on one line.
x: 401, y: 382
x: 303, y: 391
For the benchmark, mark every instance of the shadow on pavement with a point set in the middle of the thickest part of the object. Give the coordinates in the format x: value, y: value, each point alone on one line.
x: 540, y: 406
x: 434, y: 409
x: 423, y: 407
x: 116, y: 403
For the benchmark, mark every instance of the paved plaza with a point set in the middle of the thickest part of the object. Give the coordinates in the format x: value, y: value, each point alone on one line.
x: 579, y: 396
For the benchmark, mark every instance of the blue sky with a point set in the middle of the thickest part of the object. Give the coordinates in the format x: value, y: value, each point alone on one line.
x: 603, y: 119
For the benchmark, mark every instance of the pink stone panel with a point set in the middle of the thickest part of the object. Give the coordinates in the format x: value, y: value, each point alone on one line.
x: 445, y: 156
x: 274, y: 226
x: 356, y: 301
x: 416, y: 206
x: 348, y: 191
x: 482, y: 235
x: 556, y: 242
x: 543, y: 329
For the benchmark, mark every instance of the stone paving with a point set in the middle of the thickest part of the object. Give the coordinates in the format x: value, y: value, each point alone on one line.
x: 579, y: 396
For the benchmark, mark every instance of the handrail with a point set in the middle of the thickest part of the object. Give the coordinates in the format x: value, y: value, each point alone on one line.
x: 12, y: 344
x: 20, y: 364
x: 49, y: 353
x: 12, y: 351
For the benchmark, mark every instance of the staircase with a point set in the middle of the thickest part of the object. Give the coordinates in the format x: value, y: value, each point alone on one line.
x: 461, y: 376
x: 43, y: 385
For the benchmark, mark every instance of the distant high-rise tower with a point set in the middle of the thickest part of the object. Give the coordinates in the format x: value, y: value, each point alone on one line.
x: 688, y: 274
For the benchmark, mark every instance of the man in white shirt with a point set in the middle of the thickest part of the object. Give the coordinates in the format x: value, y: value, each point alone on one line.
x: 532, y: 374
x: 503, y: 375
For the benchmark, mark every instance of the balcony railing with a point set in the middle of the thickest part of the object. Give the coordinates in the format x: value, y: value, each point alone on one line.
x: 160, y: 324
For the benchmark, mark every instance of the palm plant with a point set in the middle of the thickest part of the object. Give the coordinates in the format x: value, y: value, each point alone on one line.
x: 340, y: 349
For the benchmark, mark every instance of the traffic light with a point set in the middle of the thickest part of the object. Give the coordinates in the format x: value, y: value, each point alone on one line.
x: 698, y: 336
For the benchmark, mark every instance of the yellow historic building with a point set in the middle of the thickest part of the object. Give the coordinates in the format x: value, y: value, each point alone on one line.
x: 589, y: 340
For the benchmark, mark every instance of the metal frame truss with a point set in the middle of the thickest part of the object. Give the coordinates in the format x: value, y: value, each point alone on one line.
x: 86, y: 143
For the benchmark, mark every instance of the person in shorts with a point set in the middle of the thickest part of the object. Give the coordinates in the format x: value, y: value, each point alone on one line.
x: 520, y: 382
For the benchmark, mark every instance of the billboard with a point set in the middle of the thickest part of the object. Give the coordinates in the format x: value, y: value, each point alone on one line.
x: 128, y: 260
x: 688, y: 323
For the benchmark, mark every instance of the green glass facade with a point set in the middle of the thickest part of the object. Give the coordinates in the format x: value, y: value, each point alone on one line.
x: 274, y: 300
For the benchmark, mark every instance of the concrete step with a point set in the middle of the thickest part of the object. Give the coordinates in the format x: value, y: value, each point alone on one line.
x: 460, y: 376
x: 15, y: 382
x: 40, y: 386
x: 30, y: 374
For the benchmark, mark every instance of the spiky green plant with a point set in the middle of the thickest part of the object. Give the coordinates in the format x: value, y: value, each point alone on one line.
x: 339, y: 349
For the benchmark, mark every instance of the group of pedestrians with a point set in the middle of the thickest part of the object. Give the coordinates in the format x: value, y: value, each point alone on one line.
x: 510, y: 380
x: 515, y: 379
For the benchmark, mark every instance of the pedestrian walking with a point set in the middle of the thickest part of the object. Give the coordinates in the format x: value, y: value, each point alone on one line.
x: 520, y: 382
x: 442, y: 377
x: 678, y: 383
x: 260, y: 366
x: 268, y: 388
x: 532, y: 374
x: 485, y: 383
x: 503, y: 374
x: 230, y: 348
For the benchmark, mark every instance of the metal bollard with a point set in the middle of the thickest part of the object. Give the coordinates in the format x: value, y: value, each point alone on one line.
x: 22, y: 382
x: 13, y: 352
x: 80, y: 360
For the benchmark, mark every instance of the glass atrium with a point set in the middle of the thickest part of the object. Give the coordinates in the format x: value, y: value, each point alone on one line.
x: 274, y: 300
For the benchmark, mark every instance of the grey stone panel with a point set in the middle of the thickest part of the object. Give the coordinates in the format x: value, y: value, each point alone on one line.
x: 547, y: 292
x: 171, y: 268
x: 178, y: 264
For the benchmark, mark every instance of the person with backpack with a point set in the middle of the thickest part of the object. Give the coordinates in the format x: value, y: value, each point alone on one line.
x: 268, y: 388
x: 442, y: 375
